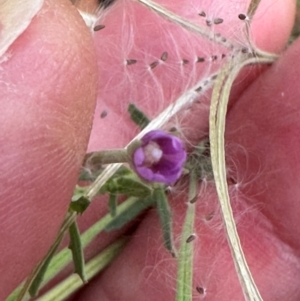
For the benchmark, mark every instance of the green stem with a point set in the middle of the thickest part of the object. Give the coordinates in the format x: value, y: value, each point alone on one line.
x: 185, y: 258
x: 64, y: 257
x: 217, y: 120
x: 72, y: 283
x: 106, y: 157
x: 65, y: 226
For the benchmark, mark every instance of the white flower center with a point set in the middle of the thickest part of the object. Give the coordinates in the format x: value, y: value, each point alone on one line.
x: 153, y: 153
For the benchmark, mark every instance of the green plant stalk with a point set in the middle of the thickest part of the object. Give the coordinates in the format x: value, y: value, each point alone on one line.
x: 252, y: 8
x: 72, y: 283
x: 64, y: 228
x: 184, y: 289
x: 106, y: 157
x: 184, y: 23
x: 165, y: 217
x: 76, y: 248
x: 34, y: 286
x: 218, y: 110
x: 64, y: 257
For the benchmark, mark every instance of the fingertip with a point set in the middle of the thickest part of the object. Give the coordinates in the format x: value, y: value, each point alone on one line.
x: 272, y: 24
x: 47, y: 98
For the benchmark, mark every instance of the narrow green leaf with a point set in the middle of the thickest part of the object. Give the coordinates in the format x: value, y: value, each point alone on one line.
x: 184, y: 291
x: 138, y: 117
x: 72, y: 283
x: 129, y: 185
x: 132, y: 186
x: 77, y: 252
x: 129, y: 214
x: 22, y: 291
x: 165, y: 217
x: 36, y: 283
x: 113, y: 204
x: 64, y: 257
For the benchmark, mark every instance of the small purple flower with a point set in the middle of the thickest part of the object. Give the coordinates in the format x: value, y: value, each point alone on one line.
x: 159, y: 158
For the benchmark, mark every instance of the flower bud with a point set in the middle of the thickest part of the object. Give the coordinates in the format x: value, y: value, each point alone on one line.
x: 159, y: 158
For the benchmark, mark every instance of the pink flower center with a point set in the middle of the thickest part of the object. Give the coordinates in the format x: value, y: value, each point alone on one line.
x: 153, y: 153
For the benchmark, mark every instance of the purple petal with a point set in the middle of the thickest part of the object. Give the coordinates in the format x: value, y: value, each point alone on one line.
x: 154, y: 135
x: 169, y: 168
x: 139, y: 156
x: 145, y: 173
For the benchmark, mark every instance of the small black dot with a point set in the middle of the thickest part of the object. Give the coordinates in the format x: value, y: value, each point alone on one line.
x: 154, y: 64
x: 218, y: 21
x: 209, y: 217
x: 191, y: 238
x: 99, y: 27
x: 200, y: 290
x: 231, y: 181
x: 202, y: 14
x: 103, y: 114
x: 242, y: 17
x: 199, y: 89
x: 200, y: 59
x: 208, y: 22
x: 131, y: 61
x: 185, y: 61
x: 164, y: 56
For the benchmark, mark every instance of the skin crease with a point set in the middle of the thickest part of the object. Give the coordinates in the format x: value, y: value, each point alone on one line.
x: 47, y: 93
x: 145, y: 254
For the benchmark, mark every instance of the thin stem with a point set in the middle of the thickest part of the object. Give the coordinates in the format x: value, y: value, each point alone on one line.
x: 69, y: 219
x: 252, y: 8
x: 185, y: 259
x: 218, y: 111
x: 184, y: 100
x: 106, y: 157
x: 202, y: 31
x: 72, y: 283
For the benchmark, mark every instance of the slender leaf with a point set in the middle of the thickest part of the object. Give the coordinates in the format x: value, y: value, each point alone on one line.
x: 130, y: 213
x: 64, y: 257
x: 113, y: 204
x: 36, y: 283
x: 138, y: 117
x: 71, y: 284
x: 77, y: 252
x: 165, y: 217
x: 129, y: 185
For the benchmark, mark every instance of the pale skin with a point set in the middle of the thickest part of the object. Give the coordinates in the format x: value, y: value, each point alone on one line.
x: 49, y: 89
